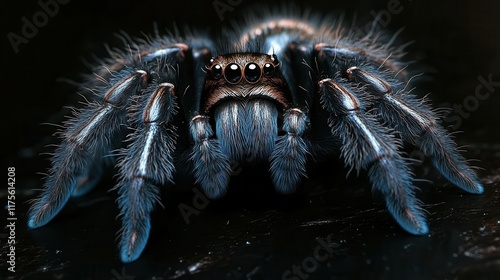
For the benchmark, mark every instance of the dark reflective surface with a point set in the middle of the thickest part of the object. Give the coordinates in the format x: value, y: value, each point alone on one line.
x: 253, y: 233
x: 260, y: 235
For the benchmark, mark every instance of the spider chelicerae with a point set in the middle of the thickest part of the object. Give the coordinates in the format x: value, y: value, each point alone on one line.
x: 279, y: 91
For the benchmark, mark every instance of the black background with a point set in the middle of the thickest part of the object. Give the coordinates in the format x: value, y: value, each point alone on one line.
x: 254, y: 233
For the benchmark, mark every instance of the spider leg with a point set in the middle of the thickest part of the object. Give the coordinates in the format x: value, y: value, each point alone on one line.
x: 289, y: 156
x: 148, y: 164
x: 368, y: 145
x: 417, y: 123
x: 86, y: 182
x: 211, y: 166
x: 89, y: 137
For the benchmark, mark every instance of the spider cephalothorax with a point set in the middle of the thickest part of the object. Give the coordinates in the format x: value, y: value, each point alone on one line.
x: 246, y: 92
x: 280, y: 92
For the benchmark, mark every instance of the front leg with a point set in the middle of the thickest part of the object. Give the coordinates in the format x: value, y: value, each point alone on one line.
x: 90, y: 136
x: 289, y: 156
x: 147, y: 165
x: 368, y: 145
x: 417, y: 123
x: 212, y: 168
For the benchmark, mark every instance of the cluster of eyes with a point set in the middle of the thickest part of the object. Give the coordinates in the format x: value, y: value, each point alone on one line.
x: 233, y: 73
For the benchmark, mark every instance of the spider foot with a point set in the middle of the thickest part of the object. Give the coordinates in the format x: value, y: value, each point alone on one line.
x: 449, y: 162
x: 133, y: 241
x: 137, y: 199
x: 387, y: 176
x: 59, y: 185
x: 134, y: 238
x: 45, y: 208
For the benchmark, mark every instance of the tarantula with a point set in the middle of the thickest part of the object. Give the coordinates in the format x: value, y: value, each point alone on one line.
x: 280, y: 91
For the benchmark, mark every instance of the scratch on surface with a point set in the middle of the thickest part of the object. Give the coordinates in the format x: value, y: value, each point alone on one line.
x: 482, y: 243
x: 316, y: 223
x: 492, y: 178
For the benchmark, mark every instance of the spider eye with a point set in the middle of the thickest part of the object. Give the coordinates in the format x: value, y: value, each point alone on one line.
x: 252, y: 72
x: 233, y: 73
x: 216, y: 71
x: 268, y: 69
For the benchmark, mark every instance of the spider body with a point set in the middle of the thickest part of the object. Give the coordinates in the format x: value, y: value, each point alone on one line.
x: 279, y: 92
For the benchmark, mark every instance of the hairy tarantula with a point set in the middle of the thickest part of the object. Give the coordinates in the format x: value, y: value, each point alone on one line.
x: 279, y: 91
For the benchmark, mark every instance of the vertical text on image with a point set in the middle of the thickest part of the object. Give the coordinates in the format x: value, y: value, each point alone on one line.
x: 11, y: 219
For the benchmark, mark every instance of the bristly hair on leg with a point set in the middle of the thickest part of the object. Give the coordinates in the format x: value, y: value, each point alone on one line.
x: 212, y: 168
